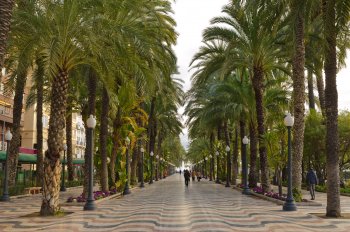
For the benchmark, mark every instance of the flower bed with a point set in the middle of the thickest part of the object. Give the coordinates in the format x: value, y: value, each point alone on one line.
x: 271, y: 194
x: 97, y: 196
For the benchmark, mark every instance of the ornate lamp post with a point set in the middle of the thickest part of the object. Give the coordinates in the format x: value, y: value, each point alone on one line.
x: 289, y: 205
x: 211, y: 168
x: 63, y: 188
x: 217, y: 167
x: 90, y: 203
x: 142, y: 185
x: 246, y: 189
x: 157, y: 166
x: 227, y: 149
x: 5, y: 193
x: 126, y: 188
x: 151, y: 179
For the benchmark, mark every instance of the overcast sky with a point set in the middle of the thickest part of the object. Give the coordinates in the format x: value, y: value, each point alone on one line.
x: 192, y: 16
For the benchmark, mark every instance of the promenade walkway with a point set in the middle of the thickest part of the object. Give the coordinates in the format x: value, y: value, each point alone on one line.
x: 168, y: 205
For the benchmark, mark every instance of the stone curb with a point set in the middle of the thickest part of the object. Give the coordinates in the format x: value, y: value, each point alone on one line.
x: 279, y: 202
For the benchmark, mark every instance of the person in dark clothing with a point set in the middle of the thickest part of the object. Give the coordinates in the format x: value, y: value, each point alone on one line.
x: 187, y: 176
x: 312, y: 180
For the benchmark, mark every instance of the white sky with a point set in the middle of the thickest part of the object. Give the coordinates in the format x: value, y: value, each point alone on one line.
x: 192, y: 16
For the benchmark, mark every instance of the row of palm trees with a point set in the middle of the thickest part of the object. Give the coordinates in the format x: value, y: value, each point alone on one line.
x: 111, y: 59
x: 251, y: 69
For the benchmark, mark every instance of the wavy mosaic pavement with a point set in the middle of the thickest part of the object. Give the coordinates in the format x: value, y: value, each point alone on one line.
x: 168, y: 205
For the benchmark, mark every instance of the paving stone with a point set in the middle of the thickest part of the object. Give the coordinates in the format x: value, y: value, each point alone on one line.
x: 168, y: 205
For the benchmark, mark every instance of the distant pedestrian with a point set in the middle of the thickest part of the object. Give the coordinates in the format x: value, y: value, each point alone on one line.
x: 312, y: 181
x: 187, y: 176
x: 193, y: 175
x: 199, y: 176
x: 180, y: 171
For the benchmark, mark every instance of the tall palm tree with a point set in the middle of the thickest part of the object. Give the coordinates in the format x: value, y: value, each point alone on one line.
x: 335, y: 19
x: 6, y: 7
x: 256, y: 46
x: 298, y: 63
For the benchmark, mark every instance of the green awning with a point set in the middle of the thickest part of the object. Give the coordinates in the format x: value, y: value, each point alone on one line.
x: 31, y: 158
x: 23, y: 158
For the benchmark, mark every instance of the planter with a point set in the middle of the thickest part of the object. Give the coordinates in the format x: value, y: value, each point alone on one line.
x: 280, y: 202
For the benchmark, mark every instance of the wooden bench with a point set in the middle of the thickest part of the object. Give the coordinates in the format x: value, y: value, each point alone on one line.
x: 32, y: 190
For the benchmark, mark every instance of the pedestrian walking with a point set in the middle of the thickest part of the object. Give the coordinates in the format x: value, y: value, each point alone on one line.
x: 312, y: 181
x: 187, y: 176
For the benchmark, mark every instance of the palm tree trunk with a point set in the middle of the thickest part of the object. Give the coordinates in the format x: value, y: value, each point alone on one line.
x: 116, y: 144
x: 310, y: 86
x: 212, y: 151
x: 331, y: 93
x: 159, y: 149
x: 242, y: 134
x: 152, y: 130
x: 321, y: 94
x: 235, y: 158
x: 92, y: 85
x: 69, y: 128
x: 298, y: 97
x: 253, y: 171
x: 258, y: 86
x: 52, y: 165
x: 39, y: 123
x: 6, y: 7
x: 16, y: 126
x: 103, y: 139
x: 228, y: 154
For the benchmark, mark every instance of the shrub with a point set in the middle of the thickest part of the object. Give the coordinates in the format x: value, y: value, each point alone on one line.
x: 297, y: 195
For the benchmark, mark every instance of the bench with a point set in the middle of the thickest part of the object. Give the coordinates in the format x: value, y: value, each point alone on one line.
x: 32, y: 190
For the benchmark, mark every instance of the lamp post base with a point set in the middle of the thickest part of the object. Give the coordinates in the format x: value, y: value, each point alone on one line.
x: 246, y: 191
x: 289, y: 205
x: 90, y: 205
x: 142, y: 185
x: 5, y: 197
x: 63, y: 189
x: 227, y: 185
x: 126, y: 191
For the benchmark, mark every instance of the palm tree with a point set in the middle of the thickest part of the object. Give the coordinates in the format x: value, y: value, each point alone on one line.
x: 334, y: 18
x: 298, y: 63
x: 254, y: 46
x: 6, y: 7
x: 103, y: 139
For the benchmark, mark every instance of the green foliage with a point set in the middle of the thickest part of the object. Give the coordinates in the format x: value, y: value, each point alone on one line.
x: 74, y: 183
x: 298, y: 196
x: 173, y: 150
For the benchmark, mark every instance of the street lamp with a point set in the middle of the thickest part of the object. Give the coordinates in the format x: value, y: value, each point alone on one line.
x: 5, y: 193
x: 151, y: 179
x: 126, y: 188
x: 211, y: 168
x: 142, y: 185
x: 246, y: 189
x: 63, y: 188
x: 228, y: 166
x: 90, y: 203
x: 157, y: 166
x: 289, y: 205
x: 217, y: 167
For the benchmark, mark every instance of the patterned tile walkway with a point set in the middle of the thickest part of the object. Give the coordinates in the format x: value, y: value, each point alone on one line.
x: 168, y: 205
